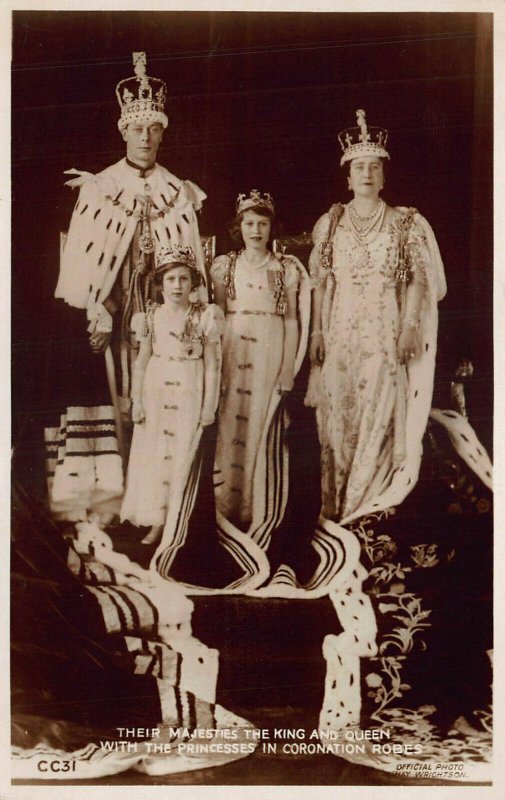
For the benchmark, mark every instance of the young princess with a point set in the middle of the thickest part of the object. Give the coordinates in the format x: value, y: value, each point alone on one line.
x: 263, y: 344
x: 174, y: 390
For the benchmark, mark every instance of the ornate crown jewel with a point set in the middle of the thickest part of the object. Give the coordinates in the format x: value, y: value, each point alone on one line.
x: 362, y: 141
x: 178, y: 254
x: 255, y: 199
x: 141, y: 98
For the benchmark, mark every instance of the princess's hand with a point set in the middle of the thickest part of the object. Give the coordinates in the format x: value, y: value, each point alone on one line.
x: 138, y: 413
x: 408, y: 345
x: 286, y: 381
x: 316, y: 348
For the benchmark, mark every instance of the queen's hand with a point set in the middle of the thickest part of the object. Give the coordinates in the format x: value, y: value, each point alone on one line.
x: 408, y: 345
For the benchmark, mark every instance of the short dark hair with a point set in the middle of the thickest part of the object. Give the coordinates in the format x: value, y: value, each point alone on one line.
x: 157, y: 279
x: 236, y: 233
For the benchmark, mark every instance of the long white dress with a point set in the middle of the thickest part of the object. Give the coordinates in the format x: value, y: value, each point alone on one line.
x: 172, y: 395
x: 362, y: 393
x: 253, y: 346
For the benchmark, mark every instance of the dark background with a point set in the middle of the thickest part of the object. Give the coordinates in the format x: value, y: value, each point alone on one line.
x: 255, y: 100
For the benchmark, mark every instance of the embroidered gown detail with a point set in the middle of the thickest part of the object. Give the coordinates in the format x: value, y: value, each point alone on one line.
x: 252, y: 359
x: 362, y: 390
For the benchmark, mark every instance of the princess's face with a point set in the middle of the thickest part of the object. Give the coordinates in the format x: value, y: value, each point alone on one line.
x: 255, y: 229
x: 177, y: 285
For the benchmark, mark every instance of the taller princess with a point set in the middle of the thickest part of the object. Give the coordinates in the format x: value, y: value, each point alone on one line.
x: 263, y: 343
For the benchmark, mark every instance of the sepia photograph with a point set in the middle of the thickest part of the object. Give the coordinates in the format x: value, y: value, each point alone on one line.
x: 252, y: 398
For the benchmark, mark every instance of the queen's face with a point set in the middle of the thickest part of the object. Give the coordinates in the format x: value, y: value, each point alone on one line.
x: 255, y: 229
x: 177, y: 285
x: 366, y: 176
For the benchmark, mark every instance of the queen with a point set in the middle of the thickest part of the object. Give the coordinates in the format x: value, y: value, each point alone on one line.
x: 378, y: 277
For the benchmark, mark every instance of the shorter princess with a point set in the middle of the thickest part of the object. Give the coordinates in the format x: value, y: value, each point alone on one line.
x: 174, y: 389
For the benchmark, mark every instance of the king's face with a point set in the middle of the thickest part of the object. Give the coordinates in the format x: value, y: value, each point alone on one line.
x: 142, y: 142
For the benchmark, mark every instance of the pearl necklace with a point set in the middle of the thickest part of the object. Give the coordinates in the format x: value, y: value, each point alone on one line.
x: 256, y: 266
x: 361, y: 227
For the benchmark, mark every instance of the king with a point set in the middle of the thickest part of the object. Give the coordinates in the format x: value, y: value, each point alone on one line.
x: 123, y: 215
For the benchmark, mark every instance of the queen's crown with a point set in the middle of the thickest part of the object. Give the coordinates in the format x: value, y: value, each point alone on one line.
x: 362, y: 140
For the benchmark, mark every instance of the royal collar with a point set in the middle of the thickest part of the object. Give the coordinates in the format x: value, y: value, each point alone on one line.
x: 142, y: 171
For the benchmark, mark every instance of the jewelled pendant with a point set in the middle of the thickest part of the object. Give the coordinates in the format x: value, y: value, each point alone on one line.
x: 146, y: 243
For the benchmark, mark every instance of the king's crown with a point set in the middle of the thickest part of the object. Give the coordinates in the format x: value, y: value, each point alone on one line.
x: 141, y: 98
